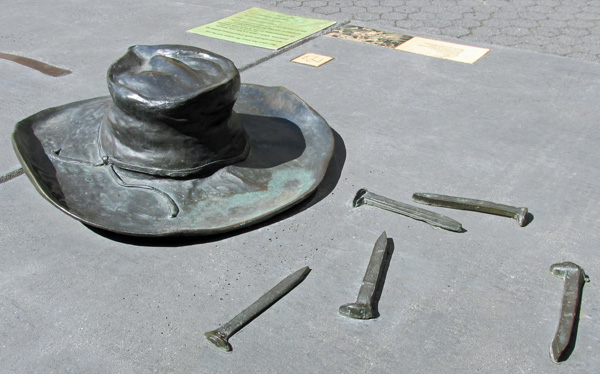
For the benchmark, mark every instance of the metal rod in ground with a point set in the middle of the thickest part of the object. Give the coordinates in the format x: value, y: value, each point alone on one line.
x: 518, y: 213
x: 363, y: 308
x: 220, y: 337
x: 574, y: 279
x: 365, y: 197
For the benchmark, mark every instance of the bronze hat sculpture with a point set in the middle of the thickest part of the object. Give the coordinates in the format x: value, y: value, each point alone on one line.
x: 181, y: 147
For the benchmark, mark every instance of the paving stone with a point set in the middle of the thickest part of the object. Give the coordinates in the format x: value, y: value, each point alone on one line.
x: 440, y: 23
x: 485, y: 31
x: 588, y: 16
x: 504, y: 40
x: 409, y: 23
x: 429, y: 31
x: 586, y: 48
x: 406, y: 9
x: 549, y: 3
x: 367, y: 3
x: 530, y: 47
x: 327, y: 10
x: 582, y: 55
x: 591, y: 41
x: 391, y: 3
x: 524, y: 23
x: 365, y: 16
x: 560, y: 50
x: 591, y: 9
x: 290, y: 4
x: 536, y: 39
x: 575, y: 33
x: 566, y: 10
x: 505, y: 15
x: 553, y: 23
x: 581, y: 24
x: 394, y: 16
x: 533, y: 16
x: 539, y: 9
x: 477, y: 16
x: 499, y: 23
x: 569, y: 40
x: 450, y: 15
x: 314, y: 4
x: 457, y: 32
x: 467, y: 23
x: 545, y: 31
x: 379, y: 9
x: 384, y: 24
x: 422, y: 15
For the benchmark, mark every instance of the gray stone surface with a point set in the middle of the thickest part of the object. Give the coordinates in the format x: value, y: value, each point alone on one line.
x: 517, y: 127
x: 473, y: 21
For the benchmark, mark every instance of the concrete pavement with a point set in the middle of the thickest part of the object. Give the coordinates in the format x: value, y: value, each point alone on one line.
x: 518, y: 127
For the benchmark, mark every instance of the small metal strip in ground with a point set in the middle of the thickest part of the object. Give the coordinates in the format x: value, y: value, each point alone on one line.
x: 42, y: 67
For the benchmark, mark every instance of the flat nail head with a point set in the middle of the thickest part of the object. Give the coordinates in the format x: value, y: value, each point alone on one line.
x: 560, y: 270
x: 356, y: 311
x: 218, y: 340
x: 359, y: 199
x: 521, y: 217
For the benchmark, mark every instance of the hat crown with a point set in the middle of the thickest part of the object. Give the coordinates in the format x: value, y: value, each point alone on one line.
x: 171, y: 113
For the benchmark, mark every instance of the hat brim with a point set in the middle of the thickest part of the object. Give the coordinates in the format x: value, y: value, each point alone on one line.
x: 291, y: 146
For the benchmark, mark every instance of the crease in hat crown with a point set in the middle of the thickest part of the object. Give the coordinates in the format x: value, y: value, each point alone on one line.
x: 171, y: 113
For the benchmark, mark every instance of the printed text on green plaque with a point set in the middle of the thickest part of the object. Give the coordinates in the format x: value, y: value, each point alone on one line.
x: 262, y: 28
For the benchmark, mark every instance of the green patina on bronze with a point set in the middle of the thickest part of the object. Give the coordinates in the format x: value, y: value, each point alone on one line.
x: 165, y: 182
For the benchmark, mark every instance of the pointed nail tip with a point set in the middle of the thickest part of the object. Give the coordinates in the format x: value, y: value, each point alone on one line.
x: 301, y: 274
x: 454, y: 227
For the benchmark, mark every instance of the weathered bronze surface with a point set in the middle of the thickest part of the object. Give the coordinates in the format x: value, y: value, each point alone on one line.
x: 519, y: 214
x: 220, y: 337
x: 364, y: 307
x: 365, y: 197
x: 175, y: 159
x: 566, y: 333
